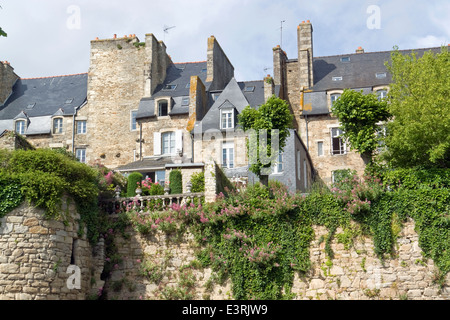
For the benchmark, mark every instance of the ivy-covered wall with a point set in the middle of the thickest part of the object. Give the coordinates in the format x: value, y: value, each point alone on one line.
x: 164, y: 267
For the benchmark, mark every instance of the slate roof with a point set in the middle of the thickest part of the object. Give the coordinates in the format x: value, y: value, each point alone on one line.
x: 146, y: 164
x: 38, y: 99
x: 234, y: 96
x: 358, y: 71
x: 178, y: 75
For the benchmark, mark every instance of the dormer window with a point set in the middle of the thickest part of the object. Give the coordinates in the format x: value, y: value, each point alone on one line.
x: 57, y: 125
x: 170, y: 87
x: 227, y: 119
x: 20, y: 126
x: 163, y: 108
x: 185, y: 101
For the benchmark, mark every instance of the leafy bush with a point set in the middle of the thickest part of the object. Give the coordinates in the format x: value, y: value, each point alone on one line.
x: 198, y: 182
x: 134, y: 180
x: 45, y: 176
x: 176, y: 182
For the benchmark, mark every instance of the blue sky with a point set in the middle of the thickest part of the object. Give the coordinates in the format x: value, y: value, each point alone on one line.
x: 52, y: 37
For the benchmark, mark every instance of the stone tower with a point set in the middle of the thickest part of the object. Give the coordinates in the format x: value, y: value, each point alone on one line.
x: 122, y: 71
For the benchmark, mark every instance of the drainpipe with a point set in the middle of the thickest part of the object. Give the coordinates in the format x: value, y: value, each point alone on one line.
x: 140, y: 141
x: 73, y: 125
x: 307, y: 135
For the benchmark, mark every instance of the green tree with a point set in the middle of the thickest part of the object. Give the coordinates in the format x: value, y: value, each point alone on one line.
x: 359, y: 114
x: 268, y: 127
x: 419, y: 101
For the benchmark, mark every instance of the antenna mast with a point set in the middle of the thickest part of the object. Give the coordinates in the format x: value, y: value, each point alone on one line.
x: 281, y: 34
x: 166, y: 30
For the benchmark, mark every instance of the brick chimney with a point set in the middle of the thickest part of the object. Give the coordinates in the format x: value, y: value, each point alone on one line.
x: 305, y: 54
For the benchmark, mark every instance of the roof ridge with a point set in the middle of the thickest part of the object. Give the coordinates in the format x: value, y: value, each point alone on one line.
x: 190, y: 62
x: 64, y: 75
x: 382, y: 51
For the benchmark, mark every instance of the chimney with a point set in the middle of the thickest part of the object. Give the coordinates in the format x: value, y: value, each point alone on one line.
x: 359, y: 50
x: 269, y: 87
x: 219, y: 69
x: 279, y: 70
x: 305, y: 54
x: 7, y: 79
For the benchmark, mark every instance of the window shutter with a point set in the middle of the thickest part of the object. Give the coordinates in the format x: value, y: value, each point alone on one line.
x: 178, y: 141
x: 157, y: 143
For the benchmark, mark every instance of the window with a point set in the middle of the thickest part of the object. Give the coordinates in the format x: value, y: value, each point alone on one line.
x: 278, y: 166
x: 299, y: 174
x: 380, y: 75
x: 170, y: 87
x: 228, y: 154
x: 185, y: 101
x: 80, y: 154
x: 336, y: 78
x: 160, y: 177
x: 163, y: 108
x: 81, y: 126
x: 334, y: 97
x: 57, y: 125
x: 249, y: 89
x: 345, y: 59
x: 215, y: 95
x: 381, y: 94
x: 20, y: 126
x: 133, y: 125
x: 168, y: 142
x: 337, y: 143
x: 227, y: 119
x: 69, y: 101
x: 320, y: 148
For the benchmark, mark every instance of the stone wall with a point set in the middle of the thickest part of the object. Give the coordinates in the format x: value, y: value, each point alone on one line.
x: 7, y: 79
x: 46, y: 259
x: 355, y: 273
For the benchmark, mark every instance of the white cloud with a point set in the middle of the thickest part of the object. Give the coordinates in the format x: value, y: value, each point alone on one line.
x: 39, y: 43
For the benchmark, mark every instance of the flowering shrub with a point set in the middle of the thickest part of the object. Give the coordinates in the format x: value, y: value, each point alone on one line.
x: 357, y: 194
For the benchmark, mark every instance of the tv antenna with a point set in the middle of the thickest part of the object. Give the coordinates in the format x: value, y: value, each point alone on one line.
x: 281, y: 34
x: 166, y: 30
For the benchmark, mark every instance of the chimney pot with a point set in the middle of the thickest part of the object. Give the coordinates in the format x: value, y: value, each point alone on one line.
x: 307, y: 21
x: 115, y: 36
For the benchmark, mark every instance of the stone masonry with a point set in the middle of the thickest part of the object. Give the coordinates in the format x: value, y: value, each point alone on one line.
x: 355, y: 273
x: 46, y: 259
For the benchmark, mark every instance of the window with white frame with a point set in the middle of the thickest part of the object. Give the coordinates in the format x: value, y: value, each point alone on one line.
x: 381, y: 94
x: 227, y: 119
x: 20, y: 126
x: 278, y: 165
x: 228, y: 154
x: 163, y: 108
x: 80, y: 154
x: 334, y: 97
x: 338, y: 145
x: 57, y: 125
x: 381, y: 134
x: 133, y: 122
x: 160, y: 177
x: 320, y: 148
x: 168, y: 142
x: 81, y: 127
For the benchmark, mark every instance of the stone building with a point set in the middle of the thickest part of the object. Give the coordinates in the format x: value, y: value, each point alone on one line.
x: 311, y: 84
x: 137, y: 110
